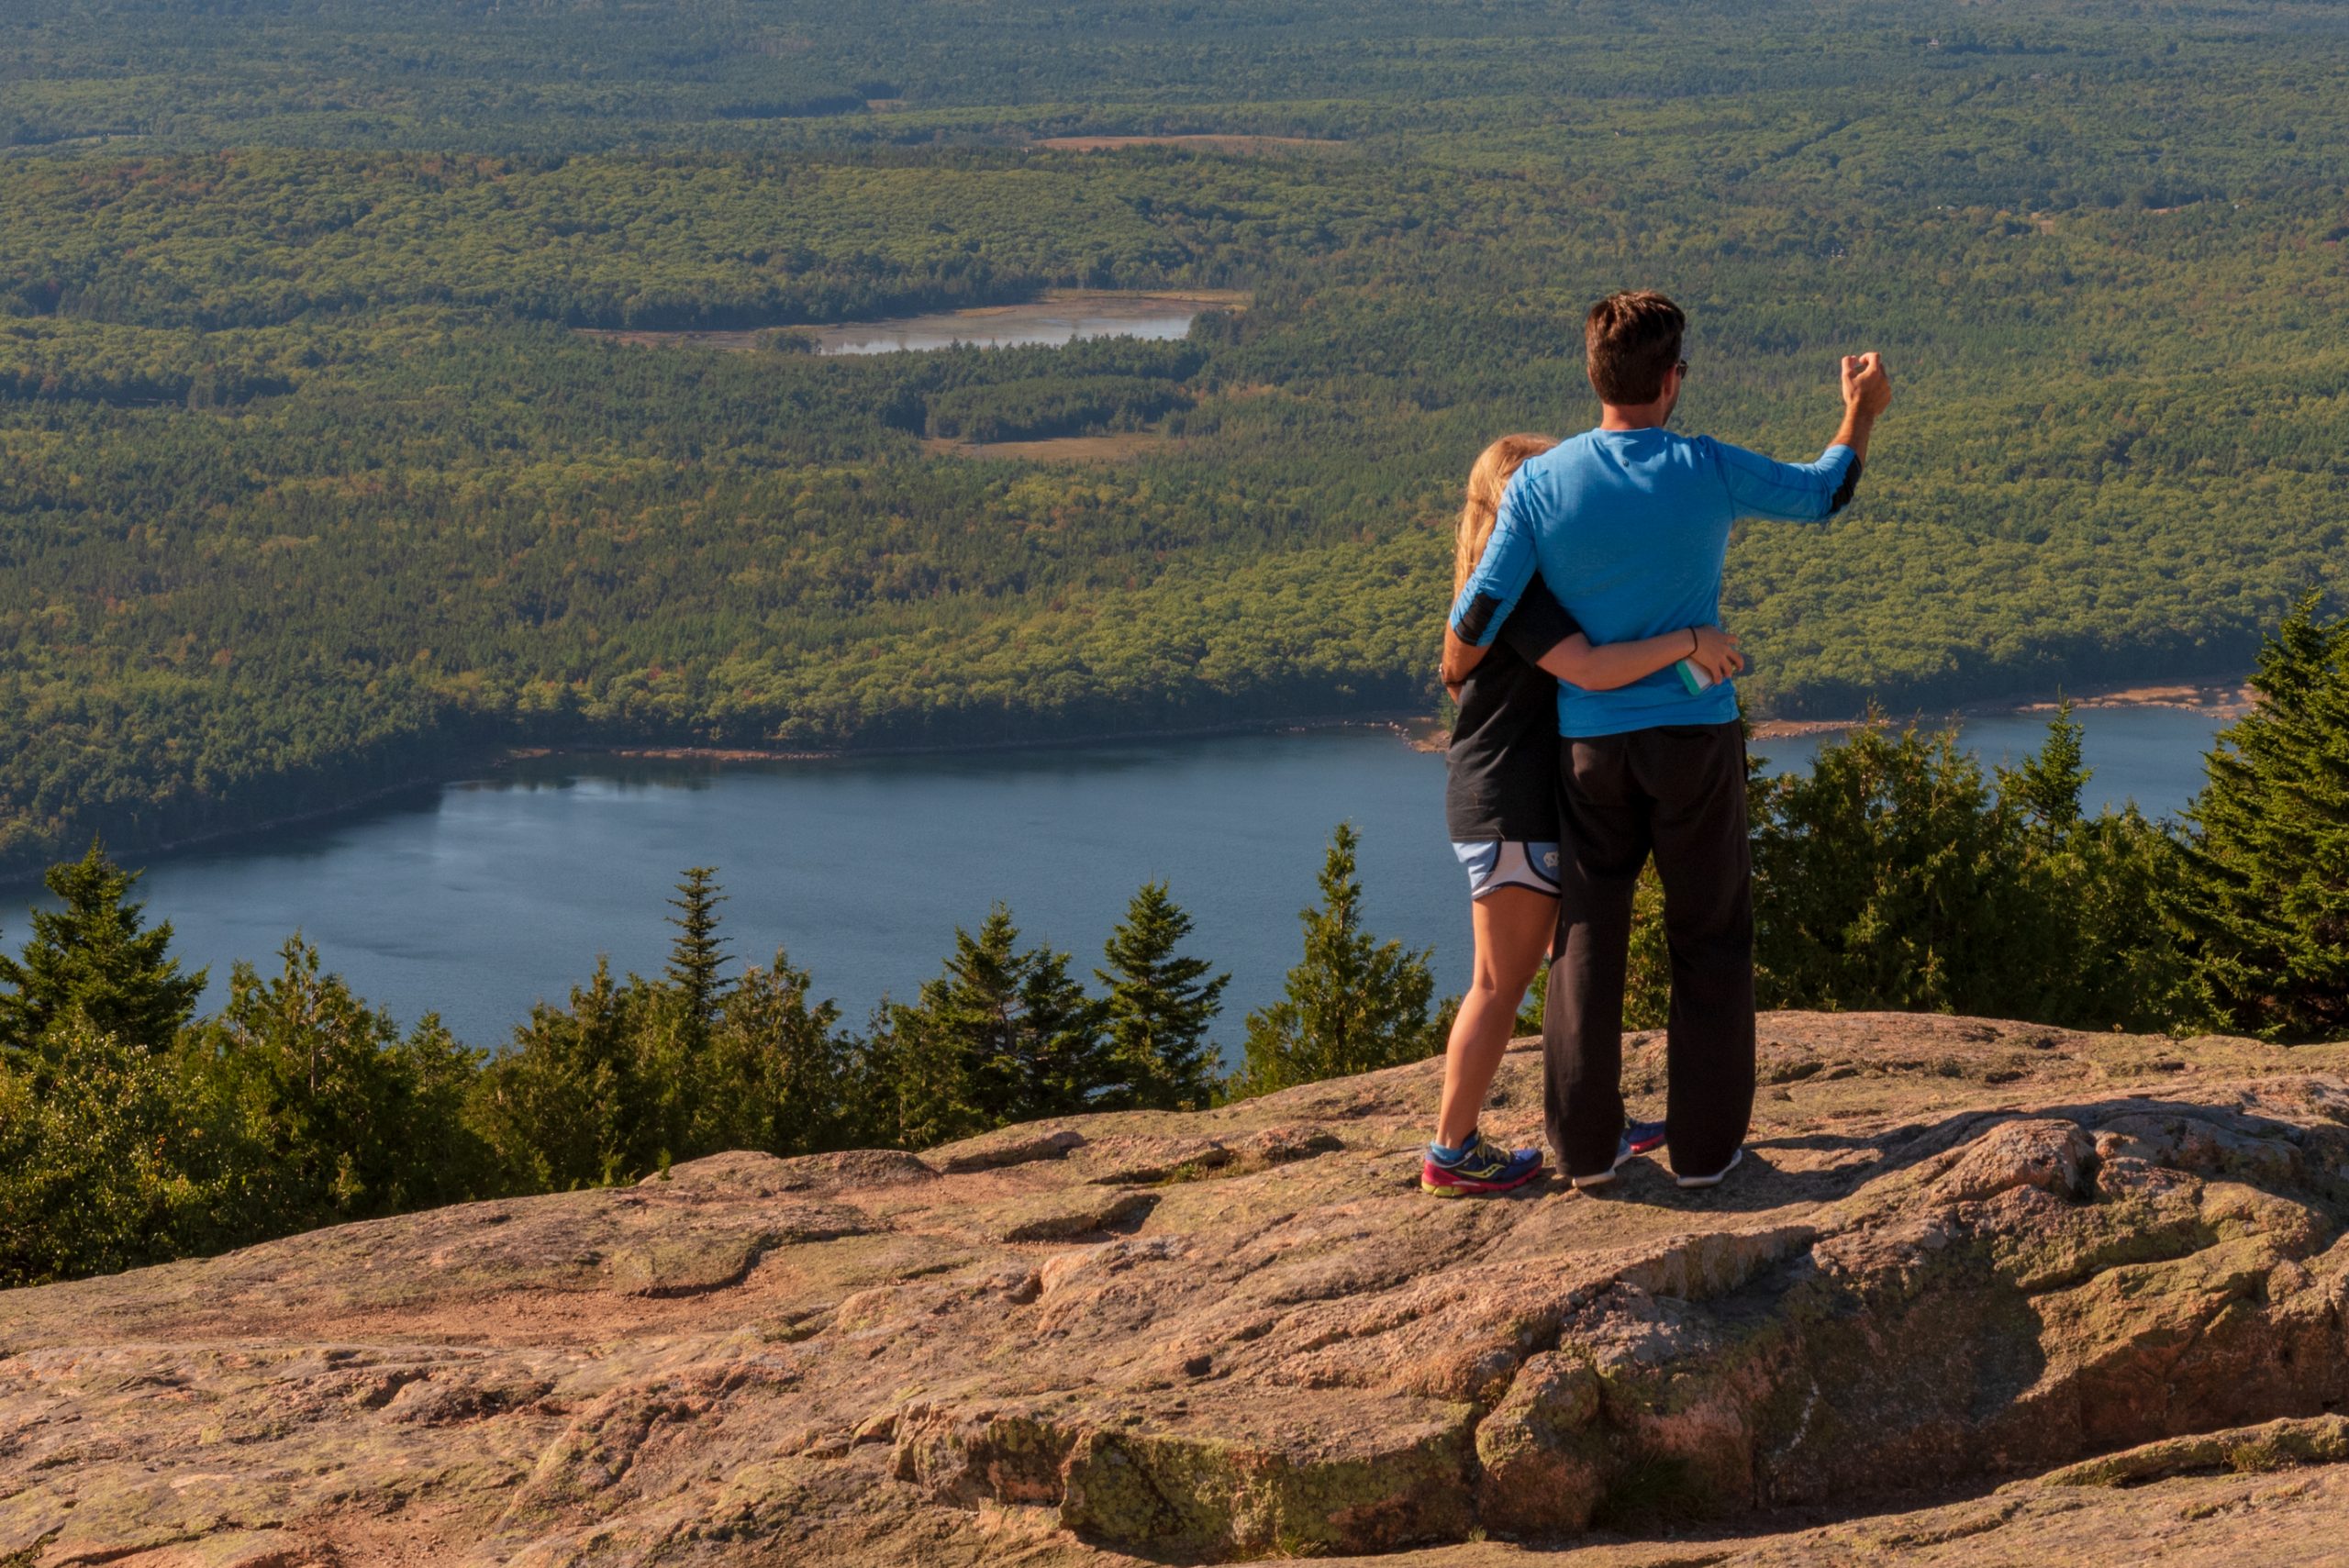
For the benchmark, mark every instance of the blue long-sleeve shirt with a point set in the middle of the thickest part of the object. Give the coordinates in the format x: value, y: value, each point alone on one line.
x: 1630, y: 529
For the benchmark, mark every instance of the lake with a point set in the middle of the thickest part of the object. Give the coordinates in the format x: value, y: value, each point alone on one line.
x: 480, y: 896
x: 1044, y: 323
x: 1061, y: 318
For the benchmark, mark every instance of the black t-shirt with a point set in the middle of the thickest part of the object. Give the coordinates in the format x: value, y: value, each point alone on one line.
x: 1502, y: 768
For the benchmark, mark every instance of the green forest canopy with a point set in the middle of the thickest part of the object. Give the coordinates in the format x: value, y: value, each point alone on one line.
x: 308, y: 485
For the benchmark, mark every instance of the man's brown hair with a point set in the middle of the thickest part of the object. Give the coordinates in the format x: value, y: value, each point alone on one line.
x: 1633, y: 338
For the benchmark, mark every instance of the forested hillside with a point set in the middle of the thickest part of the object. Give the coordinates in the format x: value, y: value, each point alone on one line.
x: 310, y: 482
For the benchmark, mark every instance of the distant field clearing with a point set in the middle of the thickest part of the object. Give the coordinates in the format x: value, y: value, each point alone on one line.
x: 1209, y: 142
x: 1117, y: 448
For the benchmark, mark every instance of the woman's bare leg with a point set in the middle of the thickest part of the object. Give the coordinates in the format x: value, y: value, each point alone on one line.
x: 1514, y: 928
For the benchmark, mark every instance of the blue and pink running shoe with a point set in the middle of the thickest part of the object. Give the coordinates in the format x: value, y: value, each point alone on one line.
x: 1482, y: 1167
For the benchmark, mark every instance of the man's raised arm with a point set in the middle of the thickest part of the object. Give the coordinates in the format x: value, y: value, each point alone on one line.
x: 1810, y: 491
x: 1492, y: 590
x: 1867, y: 392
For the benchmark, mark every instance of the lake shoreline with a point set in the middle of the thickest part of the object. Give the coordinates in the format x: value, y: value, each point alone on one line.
x: 2225, y: 698
x: 2222, y: 696
x: 1404, y: 726
x: 489, y: 759
x: 15, y: 878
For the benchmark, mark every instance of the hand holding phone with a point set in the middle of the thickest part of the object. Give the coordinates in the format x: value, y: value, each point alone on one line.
x: 1713, y: 657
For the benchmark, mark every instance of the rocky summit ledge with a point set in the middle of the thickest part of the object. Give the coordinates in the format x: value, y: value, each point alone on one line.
x: 1981, y: 1291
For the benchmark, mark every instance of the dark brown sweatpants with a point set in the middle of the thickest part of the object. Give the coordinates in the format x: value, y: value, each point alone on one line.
x: 1677, y: 791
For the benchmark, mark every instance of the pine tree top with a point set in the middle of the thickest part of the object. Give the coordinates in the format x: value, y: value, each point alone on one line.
x: 96, y: 956
x: 698, y: 953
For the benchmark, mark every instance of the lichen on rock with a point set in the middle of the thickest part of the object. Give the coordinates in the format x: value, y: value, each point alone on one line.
x: 1960, y: 1253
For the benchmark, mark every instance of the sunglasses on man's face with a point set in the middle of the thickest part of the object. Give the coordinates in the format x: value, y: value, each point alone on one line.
x: 1682, y: 367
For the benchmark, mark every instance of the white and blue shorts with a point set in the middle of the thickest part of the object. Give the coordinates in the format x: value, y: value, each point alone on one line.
x: 1509, y: 862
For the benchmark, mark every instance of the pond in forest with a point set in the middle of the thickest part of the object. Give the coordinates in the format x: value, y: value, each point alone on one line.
x: 1063, y: 317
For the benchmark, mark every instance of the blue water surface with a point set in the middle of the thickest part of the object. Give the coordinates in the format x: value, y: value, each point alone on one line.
x: 479, y: 897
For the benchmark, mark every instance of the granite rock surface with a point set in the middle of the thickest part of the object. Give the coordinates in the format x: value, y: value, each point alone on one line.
x: 1980, y: 1292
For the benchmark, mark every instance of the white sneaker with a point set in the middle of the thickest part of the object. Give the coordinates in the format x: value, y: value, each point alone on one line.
x: 1601, y: 1178
x: 1712, y: 1181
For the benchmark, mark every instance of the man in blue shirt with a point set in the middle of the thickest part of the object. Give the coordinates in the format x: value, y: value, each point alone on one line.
x: 1628, y: 525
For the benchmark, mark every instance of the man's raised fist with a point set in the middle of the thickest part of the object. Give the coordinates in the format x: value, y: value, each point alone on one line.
x: 1867, y: 390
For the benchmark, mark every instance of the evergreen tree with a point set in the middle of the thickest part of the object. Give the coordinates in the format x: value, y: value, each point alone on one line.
x: 884, y: 1099
x: 1057, y: 1060
x: 1159, y: 1006
x: 1353, y: 1004
x: 633, y: 1075
x: 2047, y: 786
x: 352, y: 1118
x: 941, y: 1045
x: 1894, y: 877
x: 698, y: 953
x: 1886, y: 878
x: 561, y: 1108
x: 1001, y: 1036
x: 778, y: 1074
x: 2099, y: 952
x: 2105, y: 955
x: 92, y: 958
x: 2264, y: 897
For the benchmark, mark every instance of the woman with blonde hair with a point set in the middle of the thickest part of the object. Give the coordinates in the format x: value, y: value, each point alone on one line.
x: 1501, y: 802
